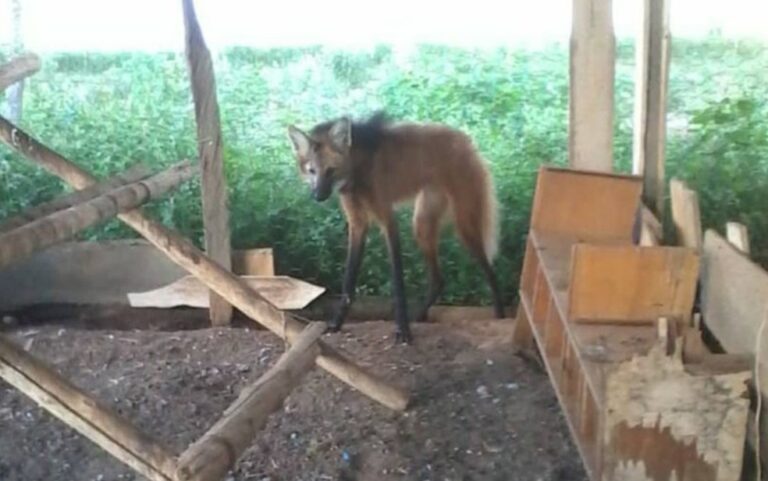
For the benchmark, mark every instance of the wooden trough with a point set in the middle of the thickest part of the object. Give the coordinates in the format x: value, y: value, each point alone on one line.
x: 644, y: 400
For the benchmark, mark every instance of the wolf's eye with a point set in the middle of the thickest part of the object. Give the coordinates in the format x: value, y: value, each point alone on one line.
x: 312, y: 171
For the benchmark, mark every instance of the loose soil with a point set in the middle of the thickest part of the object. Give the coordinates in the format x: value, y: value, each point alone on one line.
x: 478, y: 412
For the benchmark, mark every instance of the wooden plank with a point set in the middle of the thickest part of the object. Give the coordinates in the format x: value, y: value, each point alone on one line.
x: 585, y: 206
x: 86, y: 415
x: 685, y: 215
x: 738, y: 235
x: 651, y: 232
x: 186, y: 255
x: 213, y: 185
x: 281, y: 291
x: 663, y: 423
x: 18, y: 69
x: 134, y: 174
x: 630, y: 284
x: 59, y: 226
x: 592, y: 69
x: 253, y: 262
x: 651, y: 81
x: 216, y: 452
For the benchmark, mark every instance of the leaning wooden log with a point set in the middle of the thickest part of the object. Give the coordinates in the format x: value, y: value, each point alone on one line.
x: 135, y: 173
x: 18, y: 69
x: 65, y: 224
x: 216, y: 452
x: 225, y: 283
x: 83, y: 413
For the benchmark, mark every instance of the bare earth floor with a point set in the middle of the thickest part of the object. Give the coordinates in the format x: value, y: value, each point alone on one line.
x: 478, y: 412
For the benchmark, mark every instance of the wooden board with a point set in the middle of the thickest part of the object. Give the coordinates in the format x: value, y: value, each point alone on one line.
x: 253, y: 262
x: 685, y: 214
x: 586, y: 206
x: 592, y: 67
x: 628, y: 284
x: 651, y: 81
x: 651, y: 231
x: 738, y: 235
x: 281, y: 291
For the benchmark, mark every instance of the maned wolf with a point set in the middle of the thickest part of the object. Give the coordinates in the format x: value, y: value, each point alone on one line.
x: 377, y: 165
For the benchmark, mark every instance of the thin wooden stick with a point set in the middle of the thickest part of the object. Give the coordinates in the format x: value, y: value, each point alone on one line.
x: 18, y: 69
x: 63, y: 225
x: 135, y: 173
x: 85, y: 414
x: 209, y: 458
x: 228, y: 285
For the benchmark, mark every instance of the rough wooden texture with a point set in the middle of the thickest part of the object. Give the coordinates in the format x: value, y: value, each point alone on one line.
x: 651, y: 233
x: 663, y: 423
x: 592, y: 68
x: 216, y: 277
x: 209, y: 458
x: 209, y: 143
x: 651, y: 80
x: 738, y: 235
x: 685, y: 214
x: 253, y: 262
x: 71, y: 199
x: 585, y: 206
x: 65, y: 224
x: 629, y: 284
x: 18, y: 69
x: 281, y: 291
x: 84, y: 414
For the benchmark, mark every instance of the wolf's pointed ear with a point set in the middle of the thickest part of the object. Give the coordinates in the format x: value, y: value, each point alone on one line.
x: 341, y: 134
x: 299, y: 140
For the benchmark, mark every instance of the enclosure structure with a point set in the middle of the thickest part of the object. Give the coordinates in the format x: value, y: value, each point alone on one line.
x: 94, y: 202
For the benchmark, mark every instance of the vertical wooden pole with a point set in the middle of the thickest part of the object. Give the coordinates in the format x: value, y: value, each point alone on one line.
x: 592, y: 69
x: 652, y: 75
x: 214, y: 185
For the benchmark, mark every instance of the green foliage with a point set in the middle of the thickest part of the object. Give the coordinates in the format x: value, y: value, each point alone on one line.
x: 110, y: 111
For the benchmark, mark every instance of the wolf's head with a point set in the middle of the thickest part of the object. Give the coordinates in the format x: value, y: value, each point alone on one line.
x: 323, y: 155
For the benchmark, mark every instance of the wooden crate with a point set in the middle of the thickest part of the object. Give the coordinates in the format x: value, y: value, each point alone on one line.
x: 591, y: 301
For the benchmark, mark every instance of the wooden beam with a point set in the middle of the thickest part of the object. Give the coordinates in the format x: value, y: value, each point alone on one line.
x: 592, y: 68
x: 651, y: 232
x: 216, y: 452
x: 60, y: 226
x: 216, y: 277
x: 685, y: 214
x: 738, y: 235
x: 213, y: 185
x: 84, y: 414
x: 135, y: 173
x: 651, y: 80
x: 18, y: 69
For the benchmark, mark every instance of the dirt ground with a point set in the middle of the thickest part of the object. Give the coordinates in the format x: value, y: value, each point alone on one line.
x: 478, y: 412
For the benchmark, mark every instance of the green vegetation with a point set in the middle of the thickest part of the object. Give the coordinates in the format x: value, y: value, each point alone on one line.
x: 109, y: 111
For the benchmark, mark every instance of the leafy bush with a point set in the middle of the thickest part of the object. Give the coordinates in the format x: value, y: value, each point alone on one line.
x: 110, y: 111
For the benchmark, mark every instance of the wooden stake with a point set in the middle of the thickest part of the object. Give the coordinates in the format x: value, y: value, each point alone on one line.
x: 83, y: 413
x: 685, y: 215
x: 209, y: 458
x: 135, y: 173
x: 651, y: 79
x: 225, y: 283
x: 213, y: 185
x: 18, y: 69
x: 63, y: 225
x: 592, y: 59
x: 738, y: 235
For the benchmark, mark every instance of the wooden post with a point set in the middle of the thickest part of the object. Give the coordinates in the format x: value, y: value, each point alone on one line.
x: 686, y: 216
x: 18, y: 69
x: 83, y: 413
x: 63, y: 225
x: 651, y: 79
x: 213, y: 185
x: 738, y: 235
x: 209, y: 458
x: 66, y: 201
x: 592, y: 59
x: 224, y: 282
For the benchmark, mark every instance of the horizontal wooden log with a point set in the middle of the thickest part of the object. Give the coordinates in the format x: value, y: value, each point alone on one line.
x: 18, y: 69
x: 65, y: 224
x: 228, y: 285
x: 216, y: 452
x: 84, y: 414
x: 135, y: 173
